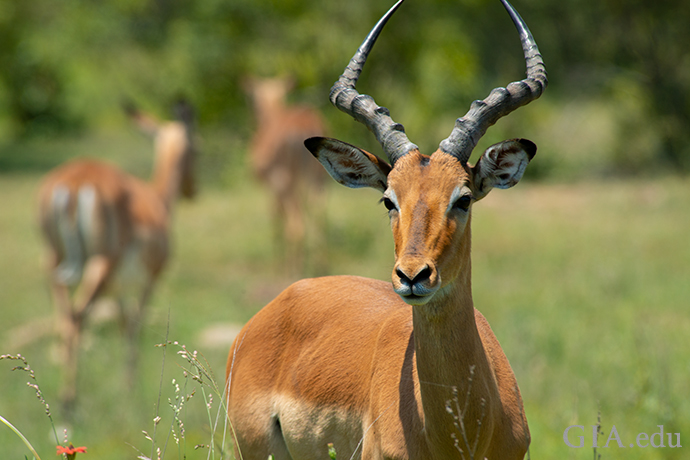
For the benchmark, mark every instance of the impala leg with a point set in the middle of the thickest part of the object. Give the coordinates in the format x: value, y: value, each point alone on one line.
x: 70, y: 338
x: 294, y: 235
x: 61, y: 300
x: 279, y: 226
x: 96, y: 272
x: 316, y: 218
x: 59, y: 291
x: 288, y: 227
x: 132, y: 311
x: 69, y: 334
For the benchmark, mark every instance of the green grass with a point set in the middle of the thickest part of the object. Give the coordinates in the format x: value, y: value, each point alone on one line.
x: 585, y: 285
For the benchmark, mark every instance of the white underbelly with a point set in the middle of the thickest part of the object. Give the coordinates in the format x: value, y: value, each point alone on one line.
x: 307, y: 430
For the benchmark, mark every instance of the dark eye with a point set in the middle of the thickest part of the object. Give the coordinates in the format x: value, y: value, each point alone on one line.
x: 463, y: 203
x: 388, y: 204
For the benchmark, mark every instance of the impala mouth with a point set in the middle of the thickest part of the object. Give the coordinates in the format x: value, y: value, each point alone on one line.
x: 415, y: 295
x: 412, y: 299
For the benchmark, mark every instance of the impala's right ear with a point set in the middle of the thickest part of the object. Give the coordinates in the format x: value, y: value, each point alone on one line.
x: 349, y: 165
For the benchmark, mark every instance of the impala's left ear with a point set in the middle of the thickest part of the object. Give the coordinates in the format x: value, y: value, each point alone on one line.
x: 501, y: 166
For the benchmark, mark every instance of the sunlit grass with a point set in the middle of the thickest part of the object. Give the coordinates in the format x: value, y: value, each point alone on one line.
x: 586, y: 287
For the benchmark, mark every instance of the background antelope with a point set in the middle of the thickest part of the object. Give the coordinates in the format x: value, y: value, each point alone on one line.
x: 370, y: 366
x: 281, y: 162
x: 109, y: 231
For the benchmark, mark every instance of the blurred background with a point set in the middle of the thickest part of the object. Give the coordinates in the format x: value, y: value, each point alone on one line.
x: 582, y: 270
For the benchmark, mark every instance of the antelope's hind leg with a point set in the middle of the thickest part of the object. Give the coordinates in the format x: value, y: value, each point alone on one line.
x: 258, y: 443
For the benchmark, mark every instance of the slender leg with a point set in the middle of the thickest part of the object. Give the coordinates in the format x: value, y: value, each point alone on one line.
x: 70, y: 329
x: 294, y: 235
x: 315, y: 201
x: 279, y: 228
x: 96, y: 272
x: 61, y: 300
x: 133, y: 321
x: 71, y: 322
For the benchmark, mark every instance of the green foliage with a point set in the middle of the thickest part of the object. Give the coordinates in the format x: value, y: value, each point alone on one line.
x: 618, y: 71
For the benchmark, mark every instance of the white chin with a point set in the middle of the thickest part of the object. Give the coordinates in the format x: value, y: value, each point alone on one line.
x: 416, y: 300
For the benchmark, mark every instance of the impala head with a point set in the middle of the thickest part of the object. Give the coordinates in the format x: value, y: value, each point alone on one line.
x: 174, y: 147
x: 429, y: 198
x: 268, y: 94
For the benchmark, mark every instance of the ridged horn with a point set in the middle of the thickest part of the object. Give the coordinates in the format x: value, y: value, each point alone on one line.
x: 362, y: 107
x: 501, y: 101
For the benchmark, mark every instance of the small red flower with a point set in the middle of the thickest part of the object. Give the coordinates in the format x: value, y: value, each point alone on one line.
x: 70, y: 451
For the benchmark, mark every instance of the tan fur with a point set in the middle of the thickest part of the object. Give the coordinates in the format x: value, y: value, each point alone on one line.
x: 107, y: 230
x: 344, y: 359
x: 281, y: 162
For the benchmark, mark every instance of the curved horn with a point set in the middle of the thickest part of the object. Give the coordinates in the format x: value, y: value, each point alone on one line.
x: 501, y: 101
x: 363, y: 108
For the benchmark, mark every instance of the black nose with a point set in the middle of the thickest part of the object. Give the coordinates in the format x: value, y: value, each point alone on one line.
x: 422, y: 275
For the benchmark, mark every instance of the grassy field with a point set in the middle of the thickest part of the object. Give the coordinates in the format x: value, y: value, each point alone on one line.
x: 586, y: 285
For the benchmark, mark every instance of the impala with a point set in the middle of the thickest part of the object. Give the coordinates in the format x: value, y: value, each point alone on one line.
x: 281, y: 162
x: 404, y: 371
x: 109, y: 231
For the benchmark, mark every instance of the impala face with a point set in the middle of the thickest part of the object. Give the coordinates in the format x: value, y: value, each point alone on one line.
x: 428, y: 200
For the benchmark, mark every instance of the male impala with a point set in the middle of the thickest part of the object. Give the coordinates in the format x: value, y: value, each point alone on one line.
x: 107, y: 229
x: 372, y: 367
x: 280, y: 161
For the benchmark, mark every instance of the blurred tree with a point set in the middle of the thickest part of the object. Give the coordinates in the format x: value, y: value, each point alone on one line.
x: 31, y: 87
x: 67, y: 65
x: 652, y: 40
x: 634, y: 55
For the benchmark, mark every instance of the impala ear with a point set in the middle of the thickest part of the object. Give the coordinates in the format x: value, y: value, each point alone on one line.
x: 349, y: 165
x: 502, y: 165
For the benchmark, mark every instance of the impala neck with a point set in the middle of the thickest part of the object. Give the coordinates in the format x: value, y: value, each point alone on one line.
x: 172, y: 143
x: 268, y: 109
x: 450, y: 355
